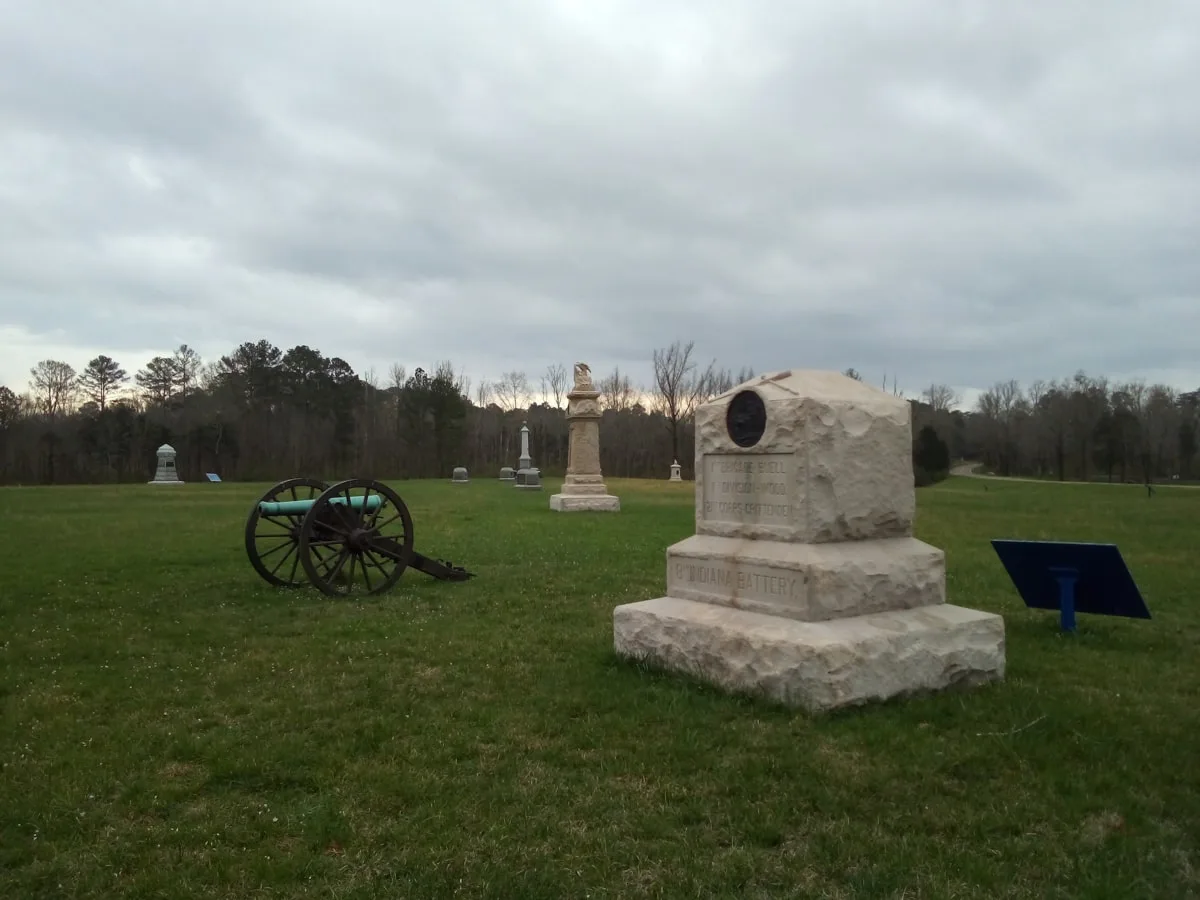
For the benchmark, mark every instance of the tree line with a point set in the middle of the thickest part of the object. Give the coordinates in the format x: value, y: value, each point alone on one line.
x: 261, y: 413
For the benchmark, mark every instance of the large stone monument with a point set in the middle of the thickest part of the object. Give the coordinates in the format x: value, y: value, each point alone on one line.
x: 165, y: 473
x: 803, y: 581
x: 583, y: 489
x: 527, y: 477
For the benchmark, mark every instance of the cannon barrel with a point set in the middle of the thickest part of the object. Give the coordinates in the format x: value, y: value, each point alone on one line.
x: 300, y: 507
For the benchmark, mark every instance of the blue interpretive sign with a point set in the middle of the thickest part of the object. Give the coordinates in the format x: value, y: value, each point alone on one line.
x: 1072, y: 577
x: 212, y: 476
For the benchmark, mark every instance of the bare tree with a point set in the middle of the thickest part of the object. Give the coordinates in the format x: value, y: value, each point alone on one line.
x: 941, y: 397
x: 511, y: 390
x: 100, y: 379
x: 10, y: 408
x: 556, y: 380
x: 397, y: 376
x: 444, y: 370
x: 617, y: 391
x: 53, y: 386
x: 677, y: 386
x: 1162, y: 421
x: 483, y: 393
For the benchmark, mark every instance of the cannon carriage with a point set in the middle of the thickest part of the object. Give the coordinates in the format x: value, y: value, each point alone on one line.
x: 356, y: 533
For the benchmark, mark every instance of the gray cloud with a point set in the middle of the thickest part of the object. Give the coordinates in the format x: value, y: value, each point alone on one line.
x: 956, y: 193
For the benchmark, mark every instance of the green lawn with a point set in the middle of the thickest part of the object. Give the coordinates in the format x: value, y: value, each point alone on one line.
x: 175, y: 728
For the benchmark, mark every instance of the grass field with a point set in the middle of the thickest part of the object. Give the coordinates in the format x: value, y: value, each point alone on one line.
x: 175, y: 728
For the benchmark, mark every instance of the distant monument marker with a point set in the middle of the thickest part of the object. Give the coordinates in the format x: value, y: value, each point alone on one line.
x: 527, y: 478
x: 583, y: 489
x: 165, y: 473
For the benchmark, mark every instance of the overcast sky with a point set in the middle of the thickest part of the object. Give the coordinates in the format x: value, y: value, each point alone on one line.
x: 952, y: 192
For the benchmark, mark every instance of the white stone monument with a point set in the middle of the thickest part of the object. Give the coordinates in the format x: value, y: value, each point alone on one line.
x: 583, y: 489
x: 507, y: 473
x: 459, y: 475
x: 803, y: 581
x: 165, y: 473
x: 527, y: 477
x: 676, y: 469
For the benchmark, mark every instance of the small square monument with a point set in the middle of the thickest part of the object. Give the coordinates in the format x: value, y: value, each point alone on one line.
x: 459, y: 475
x: 803, y: 581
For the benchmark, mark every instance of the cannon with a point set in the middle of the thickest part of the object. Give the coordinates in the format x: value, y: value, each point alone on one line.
x: 356, y: 532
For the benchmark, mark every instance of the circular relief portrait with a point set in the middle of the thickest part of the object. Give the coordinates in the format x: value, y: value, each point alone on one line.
x: 746, y: 418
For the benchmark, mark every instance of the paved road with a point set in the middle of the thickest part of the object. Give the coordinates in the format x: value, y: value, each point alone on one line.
x: 967, y: 470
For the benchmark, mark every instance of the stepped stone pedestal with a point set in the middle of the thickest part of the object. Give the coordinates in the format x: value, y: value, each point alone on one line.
x: 803, y: 581
x: 583, y: 489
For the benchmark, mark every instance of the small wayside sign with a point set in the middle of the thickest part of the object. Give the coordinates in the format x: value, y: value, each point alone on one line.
x: 212, y: 476
x: 1072, y: 577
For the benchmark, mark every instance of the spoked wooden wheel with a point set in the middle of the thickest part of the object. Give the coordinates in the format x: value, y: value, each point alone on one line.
x: 358, y: 536
x: 273, y: 538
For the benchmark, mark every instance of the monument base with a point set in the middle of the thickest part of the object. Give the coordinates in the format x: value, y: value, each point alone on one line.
x: 585, y: 503
x: 816, y: 666
x: 528, y: 480
x: 164, y: 482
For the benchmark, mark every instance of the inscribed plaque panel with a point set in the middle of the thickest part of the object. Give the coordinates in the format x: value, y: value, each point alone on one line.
x: 749, y: 488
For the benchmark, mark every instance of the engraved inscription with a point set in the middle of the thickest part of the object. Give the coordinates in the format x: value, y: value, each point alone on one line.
x: 750, y: 489
x: 744, y: 581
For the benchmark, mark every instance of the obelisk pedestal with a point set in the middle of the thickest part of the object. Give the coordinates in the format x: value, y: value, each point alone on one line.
x: 583, y: 489
x: 527, y: 477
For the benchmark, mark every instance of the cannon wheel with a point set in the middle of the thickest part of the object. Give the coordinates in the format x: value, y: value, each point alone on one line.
x: 273, y: 542
x: 369, y: 547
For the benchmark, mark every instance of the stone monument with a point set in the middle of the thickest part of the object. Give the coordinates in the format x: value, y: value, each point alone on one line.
x: 165, y: 473
x: 583, y: 489
x: 676, y: 469
x: 527, y: 478
x: 507, y: 473
x: 803, y: 581
x: 525, y: 461
x: 459, y: 475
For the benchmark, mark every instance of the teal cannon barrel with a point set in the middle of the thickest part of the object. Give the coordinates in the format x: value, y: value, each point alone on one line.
x: 301, y: 507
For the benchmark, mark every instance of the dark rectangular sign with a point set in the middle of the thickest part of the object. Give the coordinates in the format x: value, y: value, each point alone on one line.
x: 1072, y: 577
